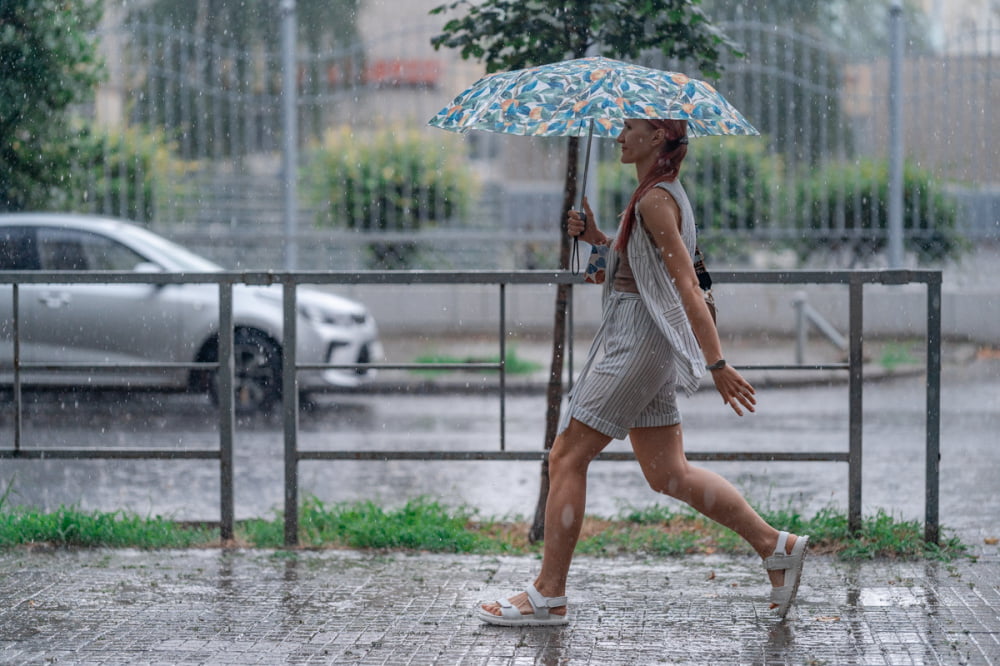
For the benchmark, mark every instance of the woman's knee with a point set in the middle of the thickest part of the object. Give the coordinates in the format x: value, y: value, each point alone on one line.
x: 666, y: 477
x: 574, y: 448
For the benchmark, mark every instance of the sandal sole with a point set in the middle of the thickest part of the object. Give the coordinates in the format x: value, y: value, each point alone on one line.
x: 524, y: 621
x: 798, y: 579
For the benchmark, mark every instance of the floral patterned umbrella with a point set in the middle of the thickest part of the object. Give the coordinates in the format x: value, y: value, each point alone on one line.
x: 588, y: 96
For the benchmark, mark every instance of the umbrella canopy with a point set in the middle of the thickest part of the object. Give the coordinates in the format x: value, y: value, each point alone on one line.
x: 589, y: 96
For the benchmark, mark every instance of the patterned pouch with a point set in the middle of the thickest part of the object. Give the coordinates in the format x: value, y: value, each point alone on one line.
x: 597, y: 265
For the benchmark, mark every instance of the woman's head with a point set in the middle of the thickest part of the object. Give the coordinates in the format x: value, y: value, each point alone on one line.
x: 658, y: 148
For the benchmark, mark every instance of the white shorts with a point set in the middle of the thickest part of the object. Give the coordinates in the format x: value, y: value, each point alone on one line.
x: 632, y: 384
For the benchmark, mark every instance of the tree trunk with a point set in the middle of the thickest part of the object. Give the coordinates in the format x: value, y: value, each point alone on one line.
x: 554, y: 392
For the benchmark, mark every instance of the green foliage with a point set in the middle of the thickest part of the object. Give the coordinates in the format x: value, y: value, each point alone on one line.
x: 731, y: 182
x: 68, y: 526
x: 848, y: 205
x: 123, y: 173
x: 389, y: 180
x: 424, y: 524
x: 420, y: 524
x: 48, y: 62
x: 515, y: 365
x: 512, y: 34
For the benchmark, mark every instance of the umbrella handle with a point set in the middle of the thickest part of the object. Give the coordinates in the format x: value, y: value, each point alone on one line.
x: 575, y: 258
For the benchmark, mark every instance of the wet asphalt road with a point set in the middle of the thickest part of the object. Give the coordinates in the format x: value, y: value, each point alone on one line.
x: 790, y: 419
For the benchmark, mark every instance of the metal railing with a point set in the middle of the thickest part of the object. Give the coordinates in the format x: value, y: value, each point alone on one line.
x: 853, y: 280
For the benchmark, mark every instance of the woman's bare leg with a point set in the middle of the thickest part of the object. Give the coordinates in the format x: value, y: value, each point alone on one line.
x: 571, y: 454
x: 660, y: 452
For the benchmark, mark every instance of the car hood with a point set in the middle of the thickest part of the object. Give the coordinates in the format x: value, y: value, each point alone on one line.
x: 311, y: 296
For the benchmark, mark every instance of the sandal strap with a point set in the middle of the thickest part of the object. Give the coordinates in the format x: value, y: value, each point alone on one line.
x: 780, y: 560
x: 509, y: 610
x: 541, y: 604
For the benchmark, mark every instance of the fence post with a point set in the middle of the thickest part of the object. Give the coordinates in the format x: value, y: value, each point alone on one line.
x: 290, y: 402
x: 227, y: 423
x: 856, y: 414
x: 290, y: 155
x: 933, y: 455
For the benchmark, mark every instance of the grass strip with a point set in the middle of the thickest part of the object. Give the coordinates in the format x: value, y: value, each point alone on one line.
x: 426, y: 525
x: 515, y: 365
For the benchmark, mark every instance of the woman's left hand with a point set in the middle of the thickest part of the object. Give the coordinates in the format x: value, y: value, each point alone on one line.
x: 735, y: 390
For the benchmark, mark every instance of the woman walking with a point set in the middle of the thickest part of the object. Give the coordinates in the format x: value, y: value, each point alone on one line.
x: 656, y: 335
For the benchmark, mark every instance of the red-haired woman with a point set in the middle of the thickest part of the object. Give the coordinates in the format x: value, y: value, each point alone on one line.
x: 656, y: 336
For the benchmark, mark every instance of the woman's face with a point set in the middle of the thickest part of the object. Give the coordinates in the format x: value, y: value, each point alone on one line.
x: 639, y: 141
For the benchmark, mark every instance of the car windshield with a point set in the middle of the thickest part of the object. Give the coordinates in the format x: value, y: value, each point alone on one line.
x: 180, y: 257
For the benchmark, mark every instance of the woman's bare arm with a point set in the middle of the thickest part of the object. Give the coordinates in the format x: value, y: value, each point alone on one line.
x: 661, y: 217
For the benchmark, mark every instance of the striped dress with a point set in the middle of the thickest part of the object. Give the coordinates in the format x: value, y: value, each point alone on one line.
x: 660, y: 335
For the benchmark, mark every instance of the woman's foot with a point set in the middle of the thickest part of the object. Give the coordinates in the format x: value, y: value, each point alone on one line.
x: 784, y: 568
x: 526, y: 608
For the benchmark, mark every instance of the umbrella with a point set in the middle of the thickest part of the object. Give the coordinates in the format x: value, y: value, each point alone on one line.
x: 588, y: 96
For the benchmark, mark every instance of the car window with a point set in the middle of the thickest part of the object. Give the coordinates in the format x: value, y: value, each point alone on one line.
x: 17, y: 249
x: 72, y: 250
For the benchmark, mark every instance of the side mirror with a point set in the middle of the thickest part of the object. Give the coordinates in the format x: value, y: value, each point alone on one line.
x: 149, y: 267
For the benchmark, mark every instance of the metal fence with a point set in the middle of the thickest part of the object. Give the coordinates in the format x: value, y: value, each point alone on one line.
x: 817, y: 179
x: 854, y: 281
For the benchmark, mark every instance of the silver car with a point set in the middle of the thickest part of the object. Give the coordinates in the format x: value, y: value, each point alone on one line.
x: 157, y: 323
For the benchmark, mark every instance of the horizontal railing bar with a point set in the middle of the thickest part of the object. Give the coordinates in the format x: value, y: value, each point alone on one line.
x: 70, y: 365
x: 399, y: 366
x: 109, y: 454
x: 874, y: 276
x: 497, y: 366
x: 776, y: 456
x: 796, y: 366
x: 354, y: 366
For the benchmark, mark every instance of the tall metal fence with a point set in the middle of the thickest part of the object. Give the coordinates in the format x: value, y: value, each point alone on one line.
x: 200, y: 159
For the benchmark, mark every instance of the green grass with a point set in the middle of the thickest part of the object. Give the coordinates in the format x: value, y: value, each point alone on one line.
x: 895, y: 355
x: 426, y: 525
x: 515, y: 365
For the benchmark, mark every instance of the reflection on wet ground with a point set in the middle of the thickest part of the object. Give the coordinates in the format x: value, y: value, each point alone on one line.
x: 219, y: 606
x: 799, y: 419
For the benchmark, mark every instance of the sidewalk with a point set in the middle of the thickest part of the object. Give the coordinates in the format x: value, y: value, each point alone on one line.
x: 341, y: 607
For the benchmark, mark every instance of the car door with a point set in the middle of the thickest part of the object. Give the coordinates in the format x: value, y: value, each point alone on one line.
x: 97, y: 323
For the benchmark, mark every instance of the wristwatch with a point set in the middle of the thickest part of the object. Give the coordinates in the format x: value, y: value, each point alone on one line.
x: 718, y: 365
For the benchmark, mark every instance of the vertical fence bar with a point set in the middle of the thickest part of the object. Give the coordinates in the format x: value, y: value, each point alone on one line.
x: 503, y: 366
x: 290, y: 402
x: 15, y: 300
x: 933, y: 462
x: 855, y: 383
x: 570, y: 334
x: 227, y: 424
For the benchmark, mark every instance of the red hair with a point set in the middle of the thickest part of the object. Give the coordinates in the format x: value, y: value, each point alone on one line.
x: 667, y: 166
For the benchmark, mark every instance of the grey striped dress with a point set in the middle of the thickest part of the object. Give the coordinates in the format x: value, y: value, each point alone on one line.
x: 645, y: 348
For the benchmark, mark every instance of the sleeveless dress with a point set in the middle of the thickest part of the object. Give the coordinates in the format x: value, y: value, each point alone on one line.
x: 644, y: 349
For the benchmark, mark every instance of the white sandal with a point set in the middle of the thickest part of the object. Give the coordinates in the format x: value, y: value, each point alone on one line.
x: 511, y: 615
x: 791, y: 564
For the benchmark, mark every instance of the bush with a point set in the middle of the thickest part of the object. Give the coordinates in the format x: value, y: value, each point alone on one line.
x: 729, y: 180
x: 390, y: 180
x: 846, y: 206
x: 123, y: 173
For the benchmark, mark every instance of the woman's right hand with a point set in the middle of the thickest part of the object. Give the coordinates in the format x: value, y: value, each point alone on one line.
x: 583, y: 225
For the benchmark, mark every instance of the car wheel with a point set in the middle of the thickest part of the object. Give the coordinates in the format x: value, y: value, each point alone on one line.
x: 256, y: 372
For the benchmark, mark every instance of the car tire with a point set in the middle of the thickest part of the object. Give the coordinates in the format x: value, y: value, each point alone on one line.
x: 256, y: 373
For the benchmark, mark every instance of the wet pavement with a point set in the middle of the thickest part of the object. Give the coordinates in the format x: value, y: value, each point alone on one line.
x: 340, y: 607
